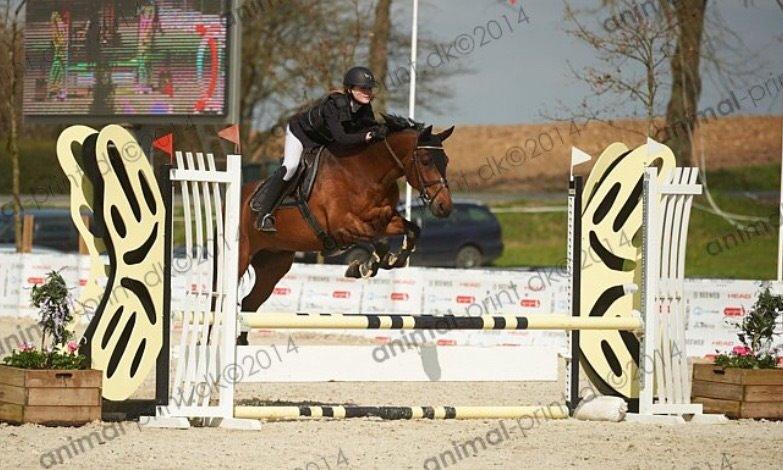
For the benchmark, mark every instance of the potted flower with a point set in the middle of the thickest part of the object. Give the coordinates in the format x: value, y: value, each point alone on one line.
x: 747, y: 382
x: 50, y: 385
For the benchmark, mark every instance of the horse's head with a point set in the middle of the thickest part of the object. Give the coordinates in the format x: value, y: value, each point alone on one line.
x: 428, y: 171
x: 425, y: 166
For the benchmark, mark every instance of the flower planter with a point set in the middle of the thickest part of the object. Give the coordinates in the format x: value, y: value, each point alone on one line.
x: 50, y: 397
x: 739, y: 393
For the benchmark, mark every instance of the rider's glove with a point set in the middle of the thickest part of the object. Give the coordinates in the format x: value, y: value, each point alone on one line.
x: 378, y: 133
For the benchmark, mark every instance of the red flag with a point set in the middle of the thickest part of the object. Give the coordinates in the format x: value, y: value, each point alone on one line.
x: 165, y: 144
x: 231, y: 134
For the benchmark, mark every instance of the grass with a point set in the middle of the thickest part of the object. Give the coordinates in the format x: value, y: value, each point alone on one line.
x: 747, y: 178
x: 533, y: 239
x: 40, y: 173
x: 716, y: 249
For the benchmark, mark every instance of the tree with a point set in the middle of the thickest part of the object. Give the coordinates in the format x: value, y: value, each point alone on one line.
x: 702, y: 38
x: 634, y: 57
x: 11, y: 95
x: 296, y: 51
x: 694, y: 40
x: 681, y: 111
x: 379, y: 48
x: 291, y: 54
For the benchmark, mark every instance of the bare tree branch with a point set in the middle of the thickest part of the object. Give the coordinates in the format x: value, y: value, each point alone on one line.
x: 634, y: 55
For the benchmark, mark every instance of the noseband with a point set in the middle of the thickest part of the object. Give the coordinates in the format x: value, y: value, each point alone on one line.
x: 423, y: 194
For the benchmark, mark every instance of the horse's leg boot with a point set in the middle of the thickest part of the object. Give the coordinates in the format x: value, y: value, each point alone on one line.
x: 400, y: 260
x: 381, y: 248
x: 380, y: 253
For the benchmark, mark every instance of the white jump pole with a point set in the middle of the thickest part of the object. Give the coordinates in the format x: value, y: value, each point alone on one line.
x: 412, y: 94
x: 272, y: 413
x: 427, y: 322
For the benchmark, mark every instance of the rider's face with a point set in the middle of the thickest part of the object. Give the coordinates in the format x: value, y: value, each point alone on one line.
x: 362, y: 95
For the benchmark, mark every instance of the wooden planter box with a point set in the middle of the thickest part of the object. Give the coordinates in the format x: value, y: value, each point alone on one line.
x: 739, y: 393
x: 51, y: 397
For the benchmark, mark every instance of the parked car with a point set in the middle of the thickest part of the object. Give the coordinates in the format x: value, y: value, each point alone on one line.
x: 470, y: 237
x: 53, y: 230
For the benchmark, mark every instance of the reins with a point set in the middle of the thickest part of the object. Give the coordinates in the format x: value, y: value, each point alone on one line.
x: 423, y: 195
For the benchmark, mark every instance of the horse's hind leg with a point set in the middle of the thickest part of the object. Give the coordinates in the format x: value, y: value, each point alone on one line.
x: 369, y: 268
x: 269, y: 267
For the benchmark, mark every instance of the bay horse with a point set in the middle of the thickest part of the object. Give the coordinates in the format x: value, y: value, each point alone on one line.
x: 354, y: 199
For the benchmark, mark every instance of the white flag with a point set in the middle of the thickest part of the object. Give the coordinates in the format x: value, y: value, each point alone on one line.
x: 578, y: 157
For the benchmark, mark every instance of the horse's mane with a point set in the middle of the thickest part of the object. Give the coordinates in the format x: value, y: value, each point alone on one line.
x: 398, y: 123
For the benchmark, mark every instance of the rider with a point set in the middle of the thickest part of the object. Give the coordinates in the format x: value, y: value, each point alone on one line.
x: 343, y: 117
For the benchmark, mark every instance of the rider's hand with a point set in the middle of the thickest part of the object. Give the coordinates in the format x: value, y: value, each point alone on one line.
x: 377, y: 133
x: 381, y: 132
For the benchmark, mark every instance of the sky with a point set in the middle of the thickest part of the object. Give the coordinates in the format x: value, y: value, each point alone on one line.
x: 522, y: 71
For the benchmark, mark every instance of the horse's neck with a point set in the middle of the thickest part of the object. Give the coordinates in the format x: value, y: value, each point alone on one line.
x: 376, y: 164
x: 397, y: 153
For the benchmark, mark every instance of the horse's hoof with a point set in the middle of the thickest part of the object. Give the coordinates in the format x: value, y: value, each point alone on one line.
x: 353, y: 270
x: 388, y: 261
x: 371, y: 271
x: 401, y: 261
x: 395, y: 260
x: 242, y: 339
x: 366, y: 272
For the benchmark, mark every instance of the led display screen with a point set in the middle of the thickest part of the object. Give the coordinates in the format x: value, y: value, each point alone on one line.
x: 126, y: 59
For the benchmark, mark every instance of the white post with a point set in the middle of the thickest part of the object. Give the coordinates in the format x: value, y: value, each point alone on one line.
x: 650, y: 256
x: 230, y: 282
x: 412, y: 93
x: 780, y: 212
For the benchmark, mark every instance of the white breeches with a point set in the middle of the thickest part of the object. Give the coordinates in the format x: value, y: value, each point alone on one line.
x: 292, y: 155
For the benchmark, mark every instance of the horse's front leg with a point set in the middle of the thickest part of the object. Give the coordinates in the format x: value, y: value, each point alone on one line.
x: 369, y: 227
x: 400, y: 226
x: 369, y: 267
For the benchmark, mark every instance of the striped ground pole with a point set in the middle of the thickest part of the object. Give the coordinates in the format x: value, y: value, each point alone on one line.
x: 272, y: 413
x: 432, y: 322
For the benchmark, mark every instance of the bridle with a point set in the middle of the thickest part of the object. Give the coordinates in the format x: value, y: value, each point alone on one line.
x: 423, y: 184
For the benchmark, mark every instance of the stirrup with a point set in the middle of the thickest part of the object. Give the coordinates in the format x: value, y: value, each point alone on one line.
x: 267, y: 224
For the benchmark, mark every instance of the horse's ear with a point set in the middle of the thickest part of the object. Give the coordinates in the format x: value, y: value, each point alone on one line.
x: 445, y: 134
x: 427, y: 132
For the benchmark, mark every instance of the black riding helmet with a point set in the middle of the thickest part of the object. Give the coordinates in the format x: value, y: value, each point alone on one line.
x: 359, y: 76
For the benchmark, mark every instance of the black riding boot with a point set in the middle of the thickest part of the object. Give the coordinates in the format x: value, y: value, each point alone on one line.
x: 272, y: 191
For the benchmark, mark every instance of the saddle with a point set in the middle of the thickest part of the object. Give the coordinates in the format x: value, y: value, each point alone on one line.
x: 305, y: 177
x: 297, y: 193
